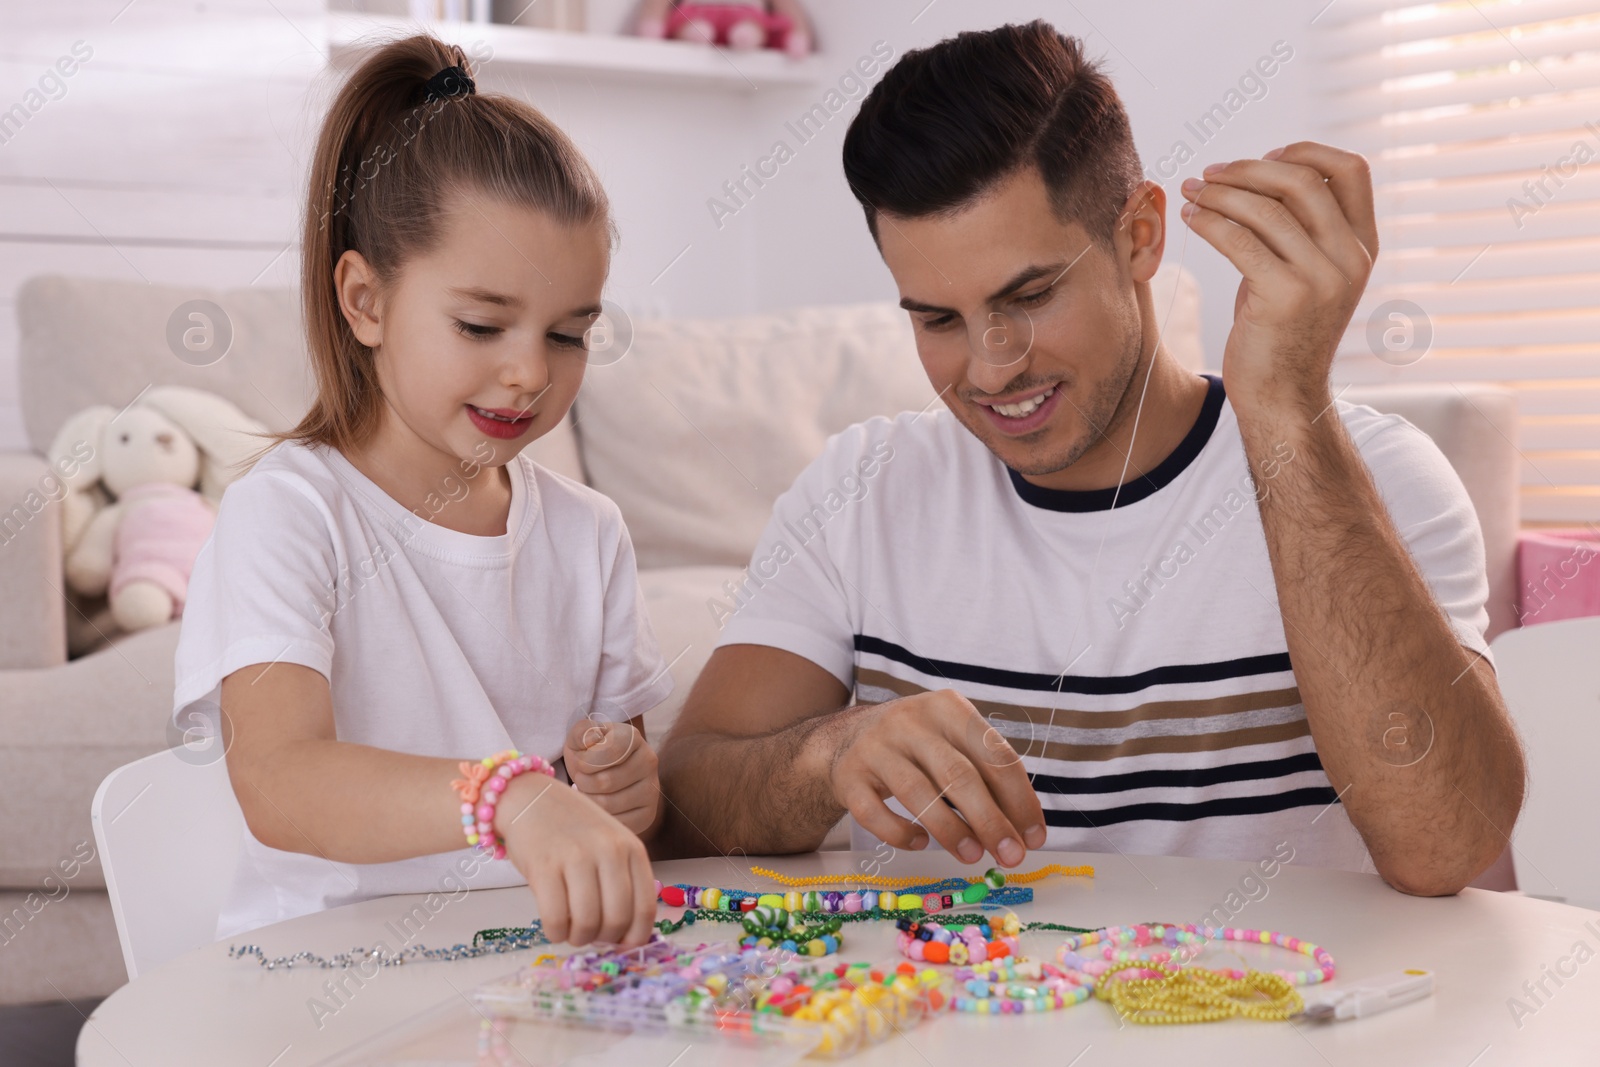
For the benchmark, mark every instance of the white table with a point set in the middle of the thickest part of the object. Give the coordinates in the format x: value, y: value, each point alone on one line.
x: 204, y: 1008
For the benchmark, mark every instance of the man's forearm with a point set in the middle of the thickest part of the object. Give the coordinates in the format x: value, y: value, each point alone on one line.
x: 1410, y: 727
x: 768, y: 794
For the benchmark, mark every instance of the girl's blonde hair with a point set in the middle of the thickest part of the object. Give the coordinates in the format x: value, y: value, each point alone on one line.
x: 386, y: 160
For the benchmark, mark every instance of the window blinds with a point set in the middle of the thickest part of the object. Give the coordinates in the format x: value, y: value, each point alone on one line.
x: 1481, y: 121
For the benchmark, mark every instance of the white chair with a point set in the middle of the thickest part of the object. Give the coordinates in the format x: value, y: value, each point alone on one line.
x: 168, y: 828
x: 1550, y: 675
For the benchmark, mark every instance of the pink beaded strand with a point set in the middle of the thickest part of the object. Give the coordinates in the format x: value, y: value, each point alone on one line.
x: 1180, y: 943
x: 480, y: 787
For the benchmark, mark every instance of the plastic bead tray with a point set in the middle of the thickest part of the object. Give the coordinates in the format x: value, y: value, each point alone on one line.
x: 716, y: 989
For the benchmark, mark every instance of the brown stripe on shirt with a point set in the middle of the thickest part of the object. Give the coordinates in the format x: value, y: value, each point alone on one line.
x: 998, y: 713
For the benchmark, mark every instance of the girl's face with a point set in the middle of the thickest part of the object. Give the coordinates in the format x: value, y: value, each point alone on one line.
x: 480, y: 342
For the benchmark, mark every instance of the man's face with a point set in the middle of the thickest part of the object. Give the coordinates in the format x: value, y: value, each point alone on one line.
x: 1028, y: 328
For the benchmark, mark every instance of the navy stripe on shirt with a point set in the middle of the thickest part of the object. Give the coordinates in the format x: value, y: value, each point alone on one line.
x: 1178, y: 674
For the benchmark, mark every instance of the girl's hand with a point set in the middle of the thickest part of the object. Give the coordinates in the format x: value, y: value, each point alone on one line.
x: 615, y: 766
x: 589, y: 873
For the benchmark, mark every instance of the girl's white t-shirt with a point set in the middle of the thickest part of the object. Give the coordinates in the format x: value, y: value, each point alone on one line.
x: 434, y: 642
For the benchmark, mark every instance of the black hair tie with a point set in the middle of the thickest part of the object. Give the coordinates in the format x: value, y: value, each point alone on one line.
x: 451, y: 81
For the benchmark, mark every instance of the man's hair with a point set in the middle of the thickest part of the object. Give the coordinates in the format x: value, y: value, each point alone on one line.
x: 947, y: 123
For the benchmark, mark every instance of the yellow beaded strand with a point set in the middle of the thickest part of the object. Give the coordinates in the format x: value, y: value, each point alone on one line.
x: 1198, y: 995
x: 1024, y: 877
x: 884, y: 881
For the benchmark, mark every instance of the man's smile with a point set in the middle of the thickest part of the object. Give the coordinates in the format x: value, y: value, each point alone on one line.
x: 1021, y: 413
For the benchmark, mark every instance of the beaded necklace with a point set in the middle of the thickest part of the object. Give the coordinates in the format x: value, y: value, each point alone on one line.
x: 975, y: 943
x: 1159, y: 987
x: 505, y: 940
x: 1008, y: 986
x: 1198, y: 995
x: 1172, y: 935
x: 990, y: 889
x: 769, y: 927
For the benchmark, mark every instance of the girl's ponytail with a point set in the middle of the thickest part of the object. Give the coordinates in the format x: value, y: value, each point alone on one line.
x: 402, y: 134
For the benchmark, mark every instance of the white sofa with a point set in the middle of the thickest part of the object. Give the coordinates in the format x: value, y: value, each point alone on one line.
x: 693, y: 432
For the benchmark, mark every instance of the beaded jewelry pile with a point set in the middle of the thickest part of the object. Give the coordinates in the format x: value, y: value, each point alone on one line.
x: 770, y: 986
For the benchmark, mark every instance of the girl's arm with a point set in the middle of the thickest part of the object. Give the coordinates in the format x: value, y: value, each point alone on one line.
x: 302, y: 790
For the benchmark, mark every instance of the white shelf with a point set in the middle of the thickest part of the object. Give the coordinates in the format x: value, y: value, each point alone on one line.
x: 596, y: 55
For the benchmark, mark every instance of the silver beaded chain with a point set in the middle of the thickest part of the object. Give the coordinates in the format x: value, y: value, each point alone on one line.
x: 382, y: 957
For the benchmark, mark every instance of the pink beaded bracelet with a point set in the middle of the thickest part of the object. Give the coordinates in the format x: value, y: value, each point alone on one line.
x: 1179, y: 943
x: 480, y: 786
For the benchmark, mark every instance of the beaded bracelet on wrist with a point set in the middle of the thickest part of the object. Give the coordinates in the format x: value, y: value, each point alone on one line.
x: 479, y: 788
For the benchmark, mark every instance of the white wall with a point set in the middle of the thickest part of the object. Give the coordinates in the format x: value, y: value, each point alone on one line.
x: 177, y: 152
x: 1170, y: 61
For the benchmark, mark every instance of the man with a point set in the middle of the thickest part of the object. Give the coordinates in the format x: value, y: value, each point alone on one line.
x: 1102, y: 603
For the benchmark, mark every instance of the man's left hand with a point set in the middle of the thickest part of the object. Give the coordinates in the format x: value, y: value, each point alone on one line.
x: 1299, y: 224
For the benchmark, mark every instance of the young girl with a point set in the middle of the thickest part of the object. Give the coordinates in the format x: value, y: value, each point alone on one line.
x: 394, y: 589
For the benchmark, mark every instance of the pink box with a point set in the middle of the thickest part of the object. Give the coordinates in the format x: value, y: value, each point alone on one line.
x: 1558, y: 575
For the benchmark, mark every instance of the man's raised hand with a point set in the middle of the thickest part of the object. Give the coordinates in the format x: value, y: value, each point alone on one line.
x: 1300, y: 226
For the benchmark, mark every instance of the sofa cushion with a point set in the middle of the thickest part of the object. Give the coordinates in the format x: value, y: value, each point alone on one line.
x: 65, y: 729
x: 1475, y: 427
x: 706, y: 421
x: 678, y: 601
x: 90, y: 341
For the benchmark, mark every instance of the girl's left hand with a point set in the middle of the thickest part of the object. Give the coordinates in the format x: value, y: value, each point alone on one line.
x: 612, y: 764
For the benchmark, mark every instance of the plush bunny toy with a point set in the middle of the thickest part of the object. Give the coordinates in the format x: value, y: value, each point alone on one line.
x: 133, y: 521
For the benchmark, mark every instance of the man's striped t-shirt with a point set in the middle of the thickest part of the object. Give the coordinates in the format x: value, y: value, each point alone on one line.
x: 1126, y: 643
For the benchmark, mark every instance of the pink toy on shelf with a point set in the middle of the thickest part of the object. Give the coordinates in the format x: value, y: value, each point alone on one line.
x: 743, y: 25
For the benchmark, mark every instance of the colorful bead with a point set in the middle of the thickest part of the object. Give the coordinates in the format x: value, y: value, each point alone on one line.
x: 993, y: 878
